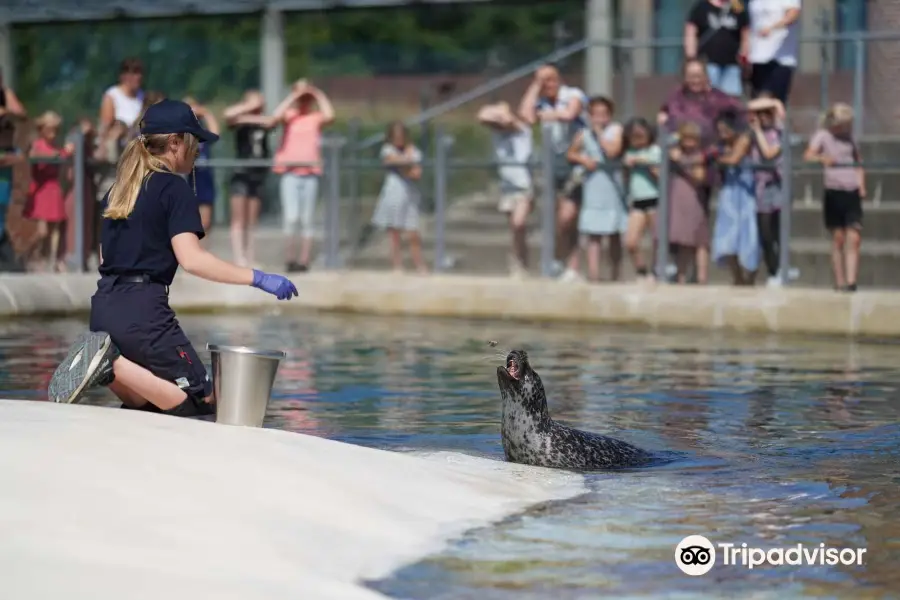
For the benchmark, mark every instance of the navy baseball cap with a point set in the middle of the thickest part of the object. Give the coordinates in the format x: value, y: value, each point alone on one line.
x: 174, y: 116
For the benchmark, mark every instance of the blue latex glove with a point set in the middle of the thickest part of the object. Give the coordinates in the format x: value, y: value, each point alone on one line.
x: 277, y: 285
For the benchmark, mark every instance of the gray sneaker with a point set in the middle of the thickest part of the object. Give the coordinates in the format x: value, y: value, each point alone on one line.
x: 88, y: 364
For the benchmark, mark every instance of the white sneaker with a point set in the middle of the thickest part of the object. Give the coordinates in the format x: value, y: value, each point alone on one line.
x: 774, y: 281
x: 556, y: 268
x: 570, y: 276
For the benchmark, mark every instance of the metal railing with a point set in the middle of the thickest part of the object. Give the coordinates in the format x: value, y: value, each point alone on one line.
x: 339, y: 205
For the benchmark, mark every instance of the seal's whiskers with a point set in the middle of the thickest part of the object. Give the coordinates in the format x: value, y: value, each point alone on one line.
x: 501, y: 356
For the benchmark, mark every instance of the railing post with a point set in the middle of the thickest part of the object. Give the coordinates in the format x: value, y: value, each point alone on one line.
x: 548, y: 213
x: 441, y: 149
x: 629, y: 79
x: 825, y: 70
x: 662, y: 211
x: 354, y: 172
x: 859, y: 87
x: 787, y: 189
x: 78, y: 164
x: 333, y: 209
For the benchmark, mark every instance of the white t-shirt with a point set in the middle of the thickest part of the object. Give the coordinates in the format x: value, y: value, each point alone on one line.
x: 514, y: 146
x: 128, y: 109
x: 562, y: 131
x: 781, y: 45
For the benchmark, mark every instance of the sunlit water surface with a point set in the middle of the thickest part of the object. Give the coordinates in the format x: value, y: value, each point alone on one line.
x: 784, y: 441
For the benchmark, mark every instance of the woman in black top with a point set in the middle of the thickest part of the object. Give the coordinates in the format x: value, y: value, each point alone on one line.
x: 151, y: 226
x: 251, y: 130
x: 718, y: 31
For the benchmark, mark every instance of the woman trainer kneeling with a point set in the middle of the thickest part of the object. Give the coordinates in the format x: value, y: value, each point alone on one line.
x: 151, y: 225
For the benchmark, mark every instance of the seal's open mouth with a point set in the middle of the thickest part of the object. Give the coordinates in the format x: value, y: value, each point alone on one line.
x: 513, y: 369
x: 516, y: 368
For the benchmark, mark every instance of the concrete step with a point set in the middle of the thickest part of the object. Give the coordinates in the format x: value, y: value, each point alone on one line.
x: 880, y: 222
x: 879, y: 263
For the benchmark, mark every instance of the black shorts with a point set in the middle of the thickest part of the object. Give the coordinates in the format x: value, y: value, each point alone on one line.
x: 772, y: 77
x: 560, y: 181
x: 143, y: 327
x: 842, y: 209
x: 645, y: 205
x: 250, y: 184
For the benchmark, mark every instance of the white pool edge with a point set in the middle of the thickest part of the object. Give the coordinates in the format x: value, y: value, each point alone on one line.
x: 104, y: 503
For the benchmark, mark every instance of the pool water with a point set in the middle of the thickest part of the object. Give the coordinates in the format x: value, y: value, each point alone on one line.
x: 783, y: 441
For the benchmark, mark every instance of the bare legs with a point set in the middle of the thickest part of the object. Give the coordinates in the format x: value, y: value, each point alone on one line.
x: 135, y: 386
x: 44, y: 252
x: 702, y: 260
x: 517, y: 226
x: 845, y: 244
x: 415, y: 250
x: 638, y: 222
x: 244, y: 216
x: 566, y: 230
x: 301, y: 258
x: 594, y: 252
x: 206, y: 216
x: 699, y: 256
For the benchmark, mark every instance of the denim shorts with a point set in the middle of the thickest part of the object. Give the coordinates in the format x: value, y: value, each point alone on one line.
x: 726, y: 78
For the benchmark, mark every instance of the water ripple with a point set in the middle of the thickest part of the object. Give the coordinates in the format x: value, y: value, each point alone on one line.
x: 775, y: 441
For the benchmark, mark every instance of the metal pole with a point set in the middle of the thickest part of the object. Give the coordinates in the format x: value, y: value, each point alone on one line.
x: 272, y: 59
x: 333, y: 214
x: 441, y: 148
x: 548, y: 215
x: 662, y: 211
x: 859, y: 85
x: 598, y: 64
x: 354, y: 183
x: 787, y: 181
x: 7, y: 58
x: 825, y: 70
x: 79, y: 199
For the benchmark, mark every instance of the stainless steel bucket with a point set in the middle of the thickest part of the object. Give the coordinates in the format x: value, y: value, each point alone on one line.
x: 242, y: 381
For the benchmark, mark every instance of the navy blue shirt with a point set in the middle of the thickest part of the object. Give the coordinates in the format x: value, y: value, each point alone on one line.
x: 142, y: 244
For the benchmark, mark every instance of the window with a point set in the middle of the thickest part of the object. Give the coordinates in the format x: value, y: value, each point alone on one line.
x: 850, y: 16
x: 668, y: 23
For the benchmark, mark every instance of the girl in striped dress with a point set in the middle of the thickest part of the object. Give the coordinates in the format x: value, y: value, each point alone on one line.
x: 399, y: 201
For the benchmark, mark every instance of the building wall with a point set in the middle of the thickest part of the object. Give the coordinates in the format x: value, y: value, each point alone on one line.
x: 883, y: 68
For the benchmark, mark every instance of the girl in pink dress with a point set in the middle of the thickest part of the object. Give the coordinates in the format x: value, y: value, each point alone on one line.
x: 46, y: 203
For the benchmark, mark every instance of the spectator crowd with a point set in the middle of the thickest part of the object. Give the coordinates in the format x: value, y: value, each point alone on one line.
x: 721, y: 133
x: 718, y: 142
x: 297, y: 162
x: 50, y: 197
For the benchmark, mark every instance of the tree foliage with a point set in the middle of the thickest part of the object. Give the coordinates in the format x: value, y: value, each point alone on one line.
x: 68, y: 66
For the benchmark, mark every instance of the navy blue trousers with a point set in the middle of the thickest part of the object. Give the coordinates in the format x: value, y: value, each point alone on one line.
x: 143, y: 327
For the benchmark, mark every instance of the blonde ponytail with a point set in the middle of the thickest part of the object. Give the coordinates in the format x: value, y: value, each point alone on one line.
x: 141, y: 157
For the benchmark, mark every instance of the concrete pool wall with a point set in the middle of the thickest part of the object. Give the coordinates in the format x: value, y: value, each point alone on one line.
x: 788, y: 310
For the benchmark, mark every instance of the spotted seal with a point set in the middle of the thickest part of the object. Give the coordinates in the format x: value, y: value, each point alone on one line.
x: 531, y: 437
